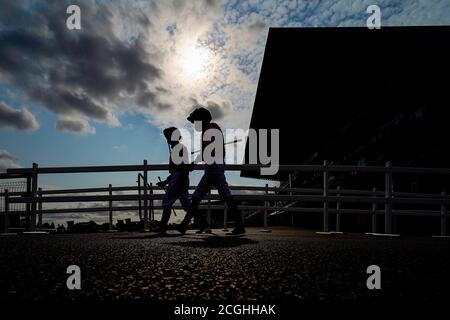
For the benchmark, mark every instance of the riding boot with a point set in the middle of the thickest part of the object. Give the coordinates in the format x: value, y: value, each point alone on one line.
x: 202, y: 223
x: 191, y: 212
x: 164, y: 220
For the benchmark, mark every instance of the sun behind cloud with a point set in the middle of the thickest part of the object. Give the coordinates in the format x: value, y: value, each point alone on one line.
x: 196, y: 61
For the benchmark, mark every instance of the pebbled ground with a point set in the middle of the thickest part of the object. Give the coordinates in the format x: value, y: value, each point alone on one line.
x: 286, y: 265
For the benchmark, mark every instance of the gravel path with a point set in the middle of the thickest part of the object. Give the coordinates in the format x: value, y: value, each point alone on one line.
x: 282, y: 266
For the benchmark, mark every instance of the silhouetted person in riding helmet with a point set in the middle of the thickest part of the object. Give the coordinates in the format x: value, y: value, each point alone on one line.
x: 214, y: 176
x: 178, y: 180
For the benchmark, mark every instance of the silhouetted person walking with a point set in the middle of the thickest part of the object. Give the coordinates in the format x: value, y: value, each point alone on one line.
x: 177, y: 182
x: 214, y: 176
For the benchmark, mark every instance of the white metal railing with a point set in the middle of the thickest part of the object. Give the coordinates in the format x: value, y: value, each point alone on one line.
x: 35, y: 197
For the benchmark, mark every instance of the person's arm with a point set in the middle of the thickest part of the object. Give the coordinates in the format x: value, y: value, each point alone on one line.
x: 163, y: 183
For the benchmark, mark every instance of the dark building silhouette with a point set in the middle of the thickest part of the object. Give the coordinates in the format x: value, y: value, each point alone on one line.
x: 356, y: 96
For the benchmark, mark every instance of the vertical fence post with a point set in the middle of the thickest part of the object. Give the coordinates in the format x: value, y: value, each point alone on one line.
x: 225, y: 218
x: 374, y: 212
x: 325, y: 195
x: 152, y: 211
x: 443, y: 216
x: 388, y: 198
x: 28, y: 205
x: 34, y: 186
x: 338, y: 211
x: 6, y: 225
x: 40, y: 209
x: 290, y: 193
x: 139, y: 193
x: 145, y: 196
x: 266, y: 209
x: 208, y: 215
x: 110, y: 209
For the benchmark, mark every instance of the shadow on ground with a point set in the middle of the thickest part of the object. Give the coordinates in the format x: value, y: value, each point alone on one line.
x: 146, y: 236
x: 214, y: 242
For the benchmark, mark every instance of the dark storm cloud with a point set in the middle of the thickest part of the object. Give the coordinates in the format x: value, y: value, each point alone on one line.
x: 73, y: 72
x: 164, y: 106
x: 149, y: 99
x: 19, y: 119
x: 64, y: 102
x: 146, y: 98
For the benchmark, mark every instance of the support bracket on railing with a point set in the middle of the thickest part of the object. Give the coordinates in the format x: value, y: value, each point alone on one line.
x: 388, y: 191
x: 338, y: 213
x: 443, y: 218
x: 326, y: 221
x: 31, y: 224
x: 374, y: 214
x: 266, y: 207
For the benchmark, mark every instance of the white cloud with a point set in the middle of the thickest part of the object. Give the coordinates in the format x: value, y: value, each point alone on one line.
x: 8, y: 161
x: 159, y: 34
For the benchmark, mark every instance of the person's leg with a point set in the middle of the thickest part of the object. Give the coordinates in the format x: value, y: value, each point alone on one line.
x: 183, y: 195
x: 202, y: 189
x: 185, y: 201
x: 220, y: 183
x: 168, y: 200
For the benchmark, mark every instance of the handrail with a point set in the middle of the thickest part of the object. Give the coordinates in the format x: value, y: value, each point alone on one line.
x: 387, y: 197
x: 276, y: 209
x: 248, y: 197
x: 239, y: 188
x: 228, y: 167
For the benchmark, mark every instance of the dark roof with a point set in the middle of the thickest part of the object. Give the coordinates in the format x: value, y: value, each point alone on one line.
x: 347, y: 94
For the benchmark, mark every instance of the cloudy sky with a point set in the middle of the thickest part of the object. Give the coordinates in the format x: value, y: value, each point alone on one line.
x: 101, y: 95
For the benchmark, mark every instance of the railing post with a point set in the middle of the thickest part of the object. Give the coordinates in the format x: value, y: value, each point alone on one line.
x: 34, y: 186
x: 145, y: 196
x: 266, y: 208
x: 6, y: 212
x: 374, y: 212
x: 110, y: 209
x: 208, y: 215
x: 290, y: 193
x: 338, y: 211
x: 28, y: 205
x: 40, y: 209
x: 152, y: 211
x: 225, y: 218
x: 139, y: 193
x: 325, y: 195
x: 388, y: 199
x: 443, y: 216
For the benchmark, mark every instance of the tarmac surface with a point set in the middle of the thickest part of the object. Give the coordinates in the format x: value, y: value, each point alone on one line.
x: 285, y: 265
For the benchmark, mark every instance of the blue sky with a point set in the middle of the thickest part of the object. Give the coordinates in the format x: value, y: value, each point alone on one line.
x: 102, y: 94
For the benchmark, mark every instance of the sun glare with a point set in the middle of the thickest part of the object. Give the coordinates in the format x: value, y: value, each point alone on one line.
x: 196, y: 61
